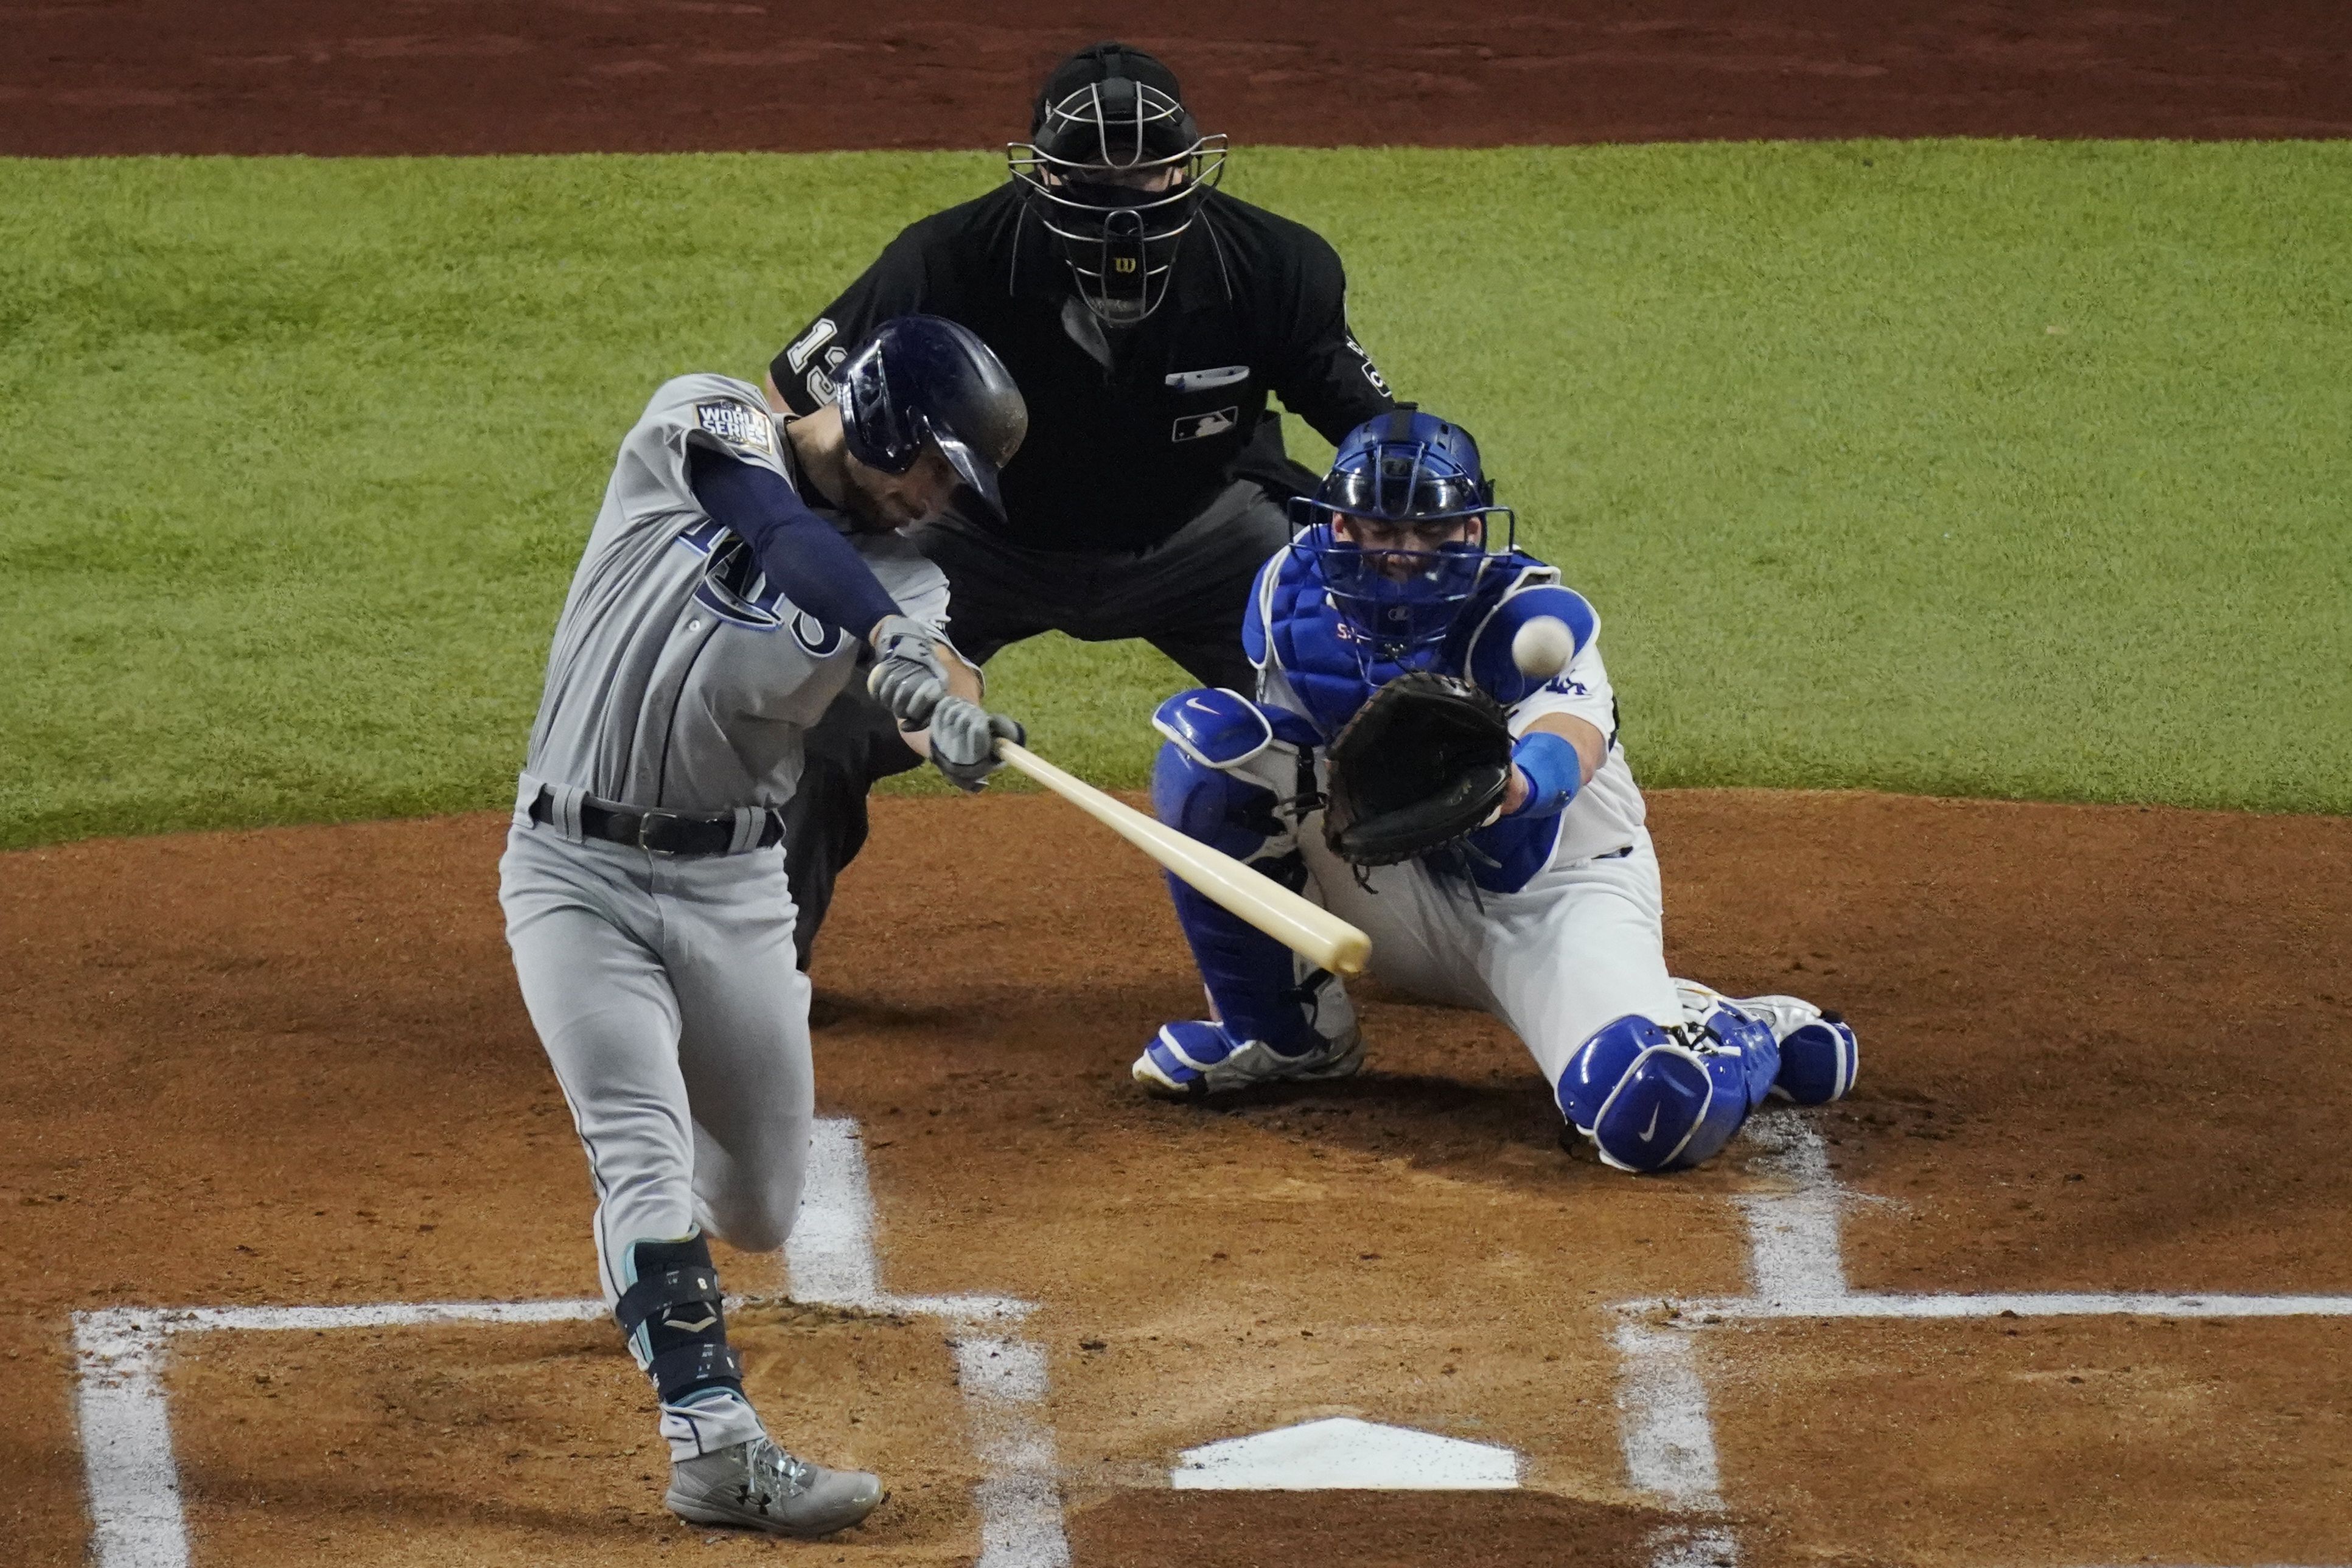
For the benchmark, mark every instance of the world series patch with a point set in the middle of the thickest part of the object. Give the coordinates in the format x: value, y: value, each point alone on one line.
x: 737, y: 425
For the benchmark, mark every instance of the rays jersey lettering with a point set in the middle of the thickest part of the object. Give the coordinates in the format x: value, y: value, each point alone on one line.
x: 734, y: 589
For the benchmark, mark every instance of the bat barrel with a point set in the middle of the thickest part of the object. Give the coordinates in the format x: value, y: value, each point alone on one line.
x: 1320, y: 937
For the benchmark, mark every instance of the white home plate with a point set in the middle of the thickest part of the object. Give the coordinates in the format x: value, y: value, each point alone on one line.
x: 1343, y: 1453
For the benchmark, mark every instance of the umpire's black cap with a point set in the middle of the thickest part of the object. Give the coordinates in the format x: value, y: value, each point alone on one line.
x: 1165, y: 134
x: 1096, y: 63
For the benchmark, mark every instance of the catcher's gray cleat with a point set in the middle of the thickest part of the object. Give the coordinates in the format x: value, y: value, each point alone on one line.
x: 1196, y: 1057
x: 1818, y: 1053
x: 758, y: 1486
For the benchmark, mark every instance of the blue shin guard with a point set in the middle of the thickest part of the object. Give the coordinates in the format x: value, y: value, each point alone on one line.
x: 1253, y: 980
x: 1818, y: 1062
x: 1658, y: 1099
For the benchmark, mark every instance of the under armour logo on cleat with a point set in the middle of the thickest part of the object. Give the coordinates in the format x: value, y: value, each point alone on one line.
x: 710, y: 1318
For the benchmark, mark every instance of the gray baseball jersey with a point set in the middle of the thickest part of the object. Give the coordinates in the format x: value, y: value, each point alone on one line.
x: 664, y: 986
x: 680, y: 678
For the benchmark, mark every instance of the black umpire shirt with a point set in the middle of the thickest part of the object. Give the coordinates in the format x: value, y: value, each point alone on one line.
x: 1121, y: 454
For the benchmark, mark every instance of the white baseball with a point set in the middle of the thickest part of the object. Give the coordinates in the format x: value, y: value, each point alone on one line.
x: 1542, y: 647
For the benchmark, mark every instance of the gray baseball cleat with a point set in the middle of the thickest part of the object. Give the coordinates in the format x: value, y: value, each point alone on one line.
x: 758, y: 1486
x: 1818, y: 1053
x: 1196, y: 1057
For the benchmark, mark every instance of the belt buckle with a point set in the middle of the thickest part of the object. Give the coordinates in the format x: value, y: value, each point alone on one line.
x: 645, y: 822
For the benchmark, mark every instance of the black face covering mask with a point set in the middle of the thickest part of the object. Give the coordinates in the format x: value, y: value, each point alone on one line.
x: 1121, y: 243
x: 1119, y: 236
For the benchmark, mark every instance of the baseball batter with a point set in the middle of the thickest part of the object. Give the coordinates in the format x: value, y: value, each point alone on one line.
x: 1517, y: 877
x: 739, y: 574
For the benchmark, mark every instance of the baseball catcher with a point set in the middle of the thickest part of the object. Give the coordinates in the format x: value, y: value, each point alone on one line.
x: 1433, y: 754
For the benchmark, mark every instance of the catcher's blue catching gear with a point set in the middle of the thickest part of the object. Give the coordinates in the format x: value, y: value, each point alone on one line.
x: 1414, y: 480
x: 1818, y: 1054
x: 1196, y: 1057
x: 1658, y: 1098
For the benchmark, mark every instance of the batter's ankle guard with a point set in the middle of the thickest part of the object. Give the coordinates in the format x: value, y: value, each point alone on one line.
x: 676, y: 1301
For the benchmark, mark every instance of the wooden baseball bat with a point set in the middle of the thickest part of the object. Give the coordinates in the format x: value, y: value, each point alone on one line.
x: 1322, y: 937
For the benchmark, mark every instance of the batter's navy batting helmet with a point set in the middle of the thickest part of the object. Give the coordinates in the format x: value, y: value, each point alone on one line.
x: 923, y: 379
x: 1413, y: 473
x: 1114, y: 169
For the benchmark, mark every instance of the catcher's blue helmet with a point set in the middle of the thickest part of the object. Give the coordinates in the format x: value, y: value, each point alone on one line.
x: 925, y: 378
x: 1402, y: 527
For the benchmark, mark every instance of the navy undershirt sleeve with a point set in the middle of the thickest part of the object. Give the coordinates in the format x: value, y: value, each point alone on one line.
x: 802, y: 553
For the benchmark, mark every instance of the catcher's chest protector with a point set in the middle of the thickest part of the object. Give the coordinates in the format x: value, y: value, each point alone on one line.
x: 1315, y: 652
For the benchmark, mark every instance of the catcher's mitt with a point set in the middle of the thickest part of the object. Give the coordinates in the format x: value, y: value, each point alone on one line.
x: 1424, y: 763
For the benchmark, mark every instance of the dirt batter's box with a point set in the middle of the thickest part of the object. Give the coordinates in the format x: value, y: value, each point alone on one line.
x: 136, y: 1514
x: 1796, y: 1271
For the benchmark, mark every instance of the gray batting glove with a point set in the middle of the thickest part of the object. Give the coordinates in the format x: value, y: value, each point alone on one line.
x: 907, y: 677
x: 963, y: 741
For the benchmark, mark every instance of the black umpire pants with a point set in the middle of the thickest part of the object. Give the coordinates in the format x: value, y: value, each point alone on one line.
x: 1184, y: 596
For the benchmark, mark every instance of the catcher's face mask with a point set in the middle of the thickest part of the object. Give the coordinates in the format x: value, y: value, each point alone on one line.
x: 1115, y: 173
x: 1402, y: 530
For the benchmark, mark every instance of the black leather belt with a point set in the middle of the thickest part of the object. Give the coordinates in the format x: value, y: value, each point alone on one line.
x: 664, y: 833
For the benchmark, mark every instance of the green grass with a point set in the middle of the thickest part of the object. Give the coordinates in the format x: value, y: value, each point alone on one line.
x: 2010, y: 469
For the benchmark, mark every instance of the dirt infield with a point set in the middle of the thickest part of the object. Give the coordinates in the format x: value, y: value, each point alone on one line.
x: 341, y: 77
x: 2105, y: 1049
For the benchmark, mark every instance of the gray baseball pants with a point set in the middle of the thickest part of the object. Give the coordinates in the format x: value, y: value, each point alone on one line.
x: 664, y: 992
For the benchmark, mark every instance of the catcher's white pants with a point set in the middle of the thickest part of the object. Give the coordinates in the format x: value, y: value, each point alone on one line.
x: 665, y: 994
x: 1580, y: 946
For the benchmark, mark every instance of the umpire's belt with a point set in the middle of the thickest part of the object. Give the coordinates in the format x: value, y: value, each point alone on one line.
x: 663, y: 832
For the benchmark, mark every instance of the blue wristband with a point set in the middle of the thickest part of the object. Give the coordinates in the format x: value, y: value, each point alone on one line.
x: 1554, y: 773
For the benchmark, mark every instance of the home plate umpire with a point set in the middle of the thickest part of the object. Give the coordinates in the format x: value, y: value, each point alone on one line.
x: 1146, y: 316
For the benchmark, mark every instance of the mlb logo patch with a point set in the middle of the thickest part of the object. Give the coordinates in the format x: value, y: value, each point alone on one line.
x: 737, y: 425
x: 1193, y: 426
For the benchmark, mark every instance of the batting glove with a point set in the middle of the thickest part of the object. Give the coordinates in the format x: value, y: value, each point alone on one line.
x: 908, y: 677
x: 963, y: 741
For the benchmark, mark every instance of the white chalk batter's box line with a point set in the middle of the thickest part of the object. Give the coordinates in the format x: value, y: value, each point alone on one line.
x: 1796, y: 1270
x: 138, y: 1520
